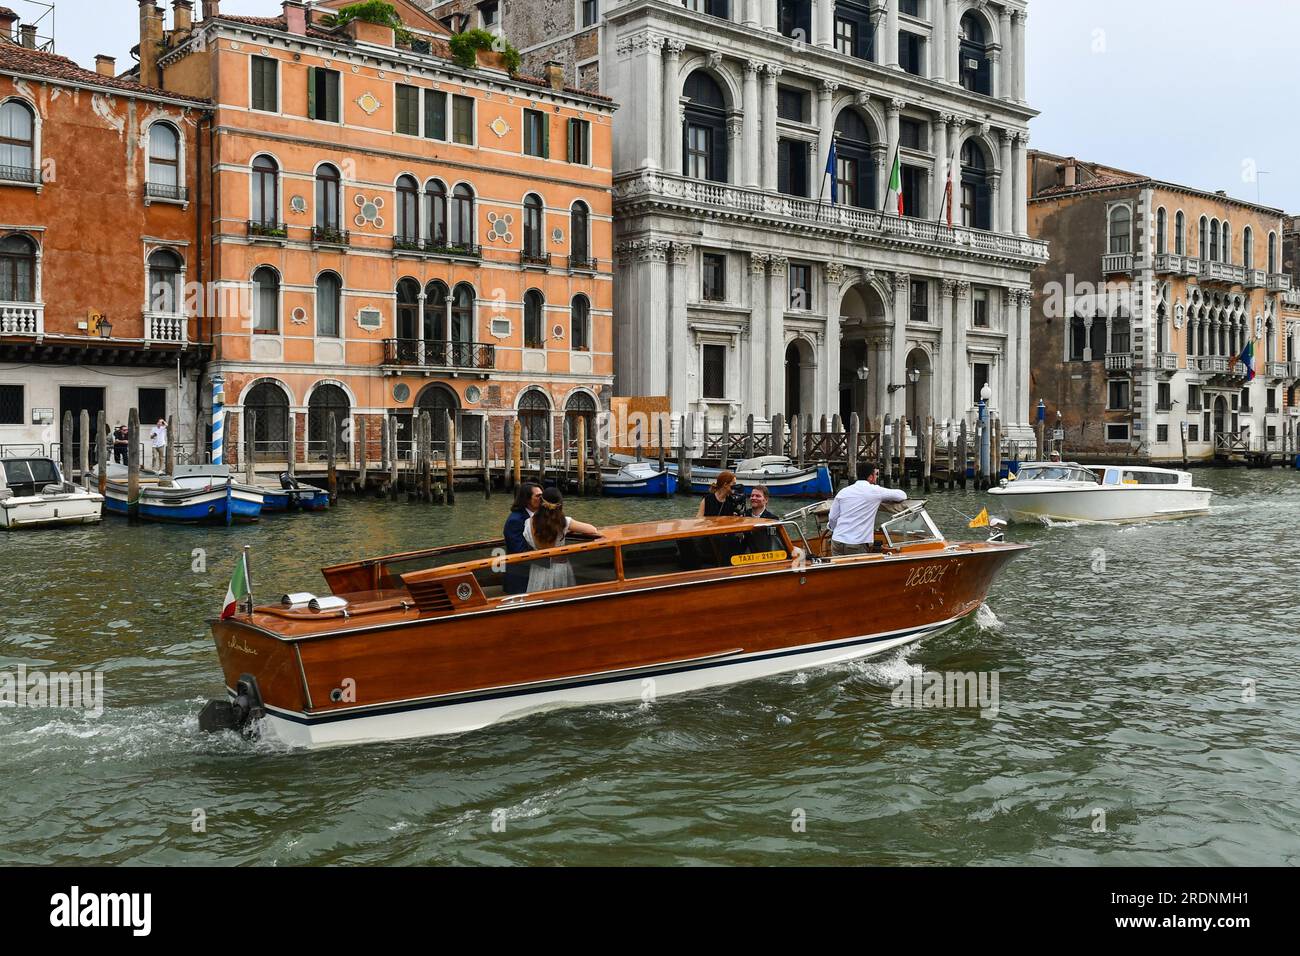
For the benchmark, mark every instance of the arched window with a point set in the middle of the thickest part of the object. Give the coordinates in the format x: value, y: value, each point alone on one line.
x: 164, y: 161
x: 1214, y: 240
x: 435, y: 311
x: 462, y: 216
x: 1203, y: 240
x: 271, y: 428
x: 462, y: 314
x: 534, y: 320
x: 164, y: 282
x: 1097, y: 338
x: 1119, y: 334
x: 408, y: 308
x: 1121, y: 230
x: 581, y: 406
x: 435, y: 197
x: 18, y: 141
x: 1162, y: 231
x: 976, y: 69
x: 535, y: 421
x: 533, y: 241
x: 1078, y: 338
x: 1227, y: 244
x: 1180, y: 232
x: 328, y: 186
x: 854, y: 167
x: 439, y: 401
x: 579, y: 233
x: 1272, y: 253
x: 408, y: 209
x: 1162, y: 331
x: 266, y: 300
x: 329, y: 304
x: 704, y: 129
x: 1248, y: 248
x: 266, y: 192
x: 580, y: 323
x: 17, y: 269
x: 976, y: 208
x: 326, y: 398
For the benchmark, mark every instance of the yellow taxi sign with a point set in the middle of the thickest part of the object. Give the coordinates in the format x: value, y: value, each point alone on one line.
x: 758, y: 557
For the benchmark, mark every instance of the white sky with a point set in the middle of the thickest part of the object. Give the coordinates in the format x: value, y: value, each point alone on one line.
x: 1197, y: 92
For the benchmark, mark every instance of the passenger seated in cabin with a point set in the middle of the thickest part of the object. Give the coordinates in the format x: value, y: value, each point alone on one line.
x: 761, y: 540
x: 722, y: 501
x: 547, y: 529
x: 527, y: 500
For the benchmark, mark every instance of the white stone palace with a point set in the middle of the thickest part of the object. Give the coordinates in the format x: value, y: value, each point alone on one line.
x: 747, y: 282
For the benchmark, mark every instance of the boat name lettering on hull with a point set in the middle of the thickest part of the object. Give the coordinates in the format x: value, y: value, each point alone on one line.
x: 931, y: 574
x: 237, y: 646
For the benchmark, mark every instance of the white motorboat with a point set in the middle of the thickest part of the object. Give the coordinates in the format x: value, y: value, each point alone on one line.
x: 33, y: 493
x: 1066, y: 491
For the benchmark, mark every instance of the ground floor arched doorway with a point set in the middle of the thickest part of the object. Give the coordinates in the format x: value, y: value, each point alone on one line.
x: 800, y: 380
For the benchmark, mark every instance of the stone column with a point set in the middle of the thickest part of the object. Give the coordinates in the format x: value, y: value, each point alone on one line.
x: 653, y: 300
x: 681, y: 364
x: 672, y: 113
x: 1009, y: 384
x: 768, y: 10
x: 750, y: 14
x: 947, y: 341
x: 891, y: 34
x: 879, y: 49
x: 824, y: 23
x: 1026, y: 302
x: 752, y: 123
x: 1018, y: 52
x: 649, y: 123
x: 954, y: 44
x: 735, y: 144
x: 1005, y: 65
x: 893, y: 108
x: 1006, y: 220
x: 961, y: 393
x: 898, y: 344
x: 939, y: 39
x: 777, y: 298
x: 834, y: 274
x: 757, y: 357
x: 1018, y: 163
x: 825, y: 130
x: 769, y: 124
x: 939, y: 131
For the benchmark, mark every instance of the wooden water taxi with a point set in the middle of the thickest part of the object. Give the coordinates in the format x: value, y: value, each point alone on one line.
x: 426, y: 642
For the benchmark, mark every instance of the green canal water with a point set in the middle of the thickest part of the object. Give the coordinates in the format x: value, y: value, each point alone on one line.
x: 1148, y: 714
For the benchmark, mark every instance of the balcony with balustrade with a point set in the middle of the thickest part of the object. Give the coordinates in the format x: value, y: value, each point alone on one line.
x: 22, y: 318
x: 435, y: 355
x: 167, y: 328
x: 1222, y: 272
x: 654, y: 189
x: 1255, y: 279
x: 23, y: 175
x: 1167, y: 263
x: 1117, y: 264
x: 1214, y: 364
x: 1166, y: 362
x: 165, y: 192
x: 1119, y: 362
x: 1293, y: 370
x: 1279, y: 282
x: 1276, y: 371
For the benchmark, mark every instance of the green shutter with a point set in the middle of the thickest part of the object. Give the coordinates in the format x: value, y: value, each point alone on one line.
x: 568, y: 151
x: 332, y: 96
x: 311, y: 92
x: 546, y: 136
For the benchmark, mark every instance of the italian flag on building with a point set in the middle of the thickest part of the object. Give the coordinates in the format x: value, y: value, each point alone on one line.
x: 238, y: 589
x: 896, y: 180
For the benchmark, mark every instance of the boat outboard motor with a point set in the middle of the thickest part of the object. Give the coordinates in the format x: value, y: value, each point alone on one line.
x: 288, y: 482
x: 238, y: 714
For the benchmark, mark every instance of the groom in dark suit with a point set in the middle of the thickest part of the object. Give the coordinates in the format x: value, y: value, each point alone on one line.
x: 527, y: 501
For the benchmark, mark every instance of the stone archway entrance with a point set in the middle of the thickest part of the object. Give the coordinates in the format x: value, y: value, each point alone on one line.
x: 864, y: 360
x: 800, y: 380
x: 918, y: 404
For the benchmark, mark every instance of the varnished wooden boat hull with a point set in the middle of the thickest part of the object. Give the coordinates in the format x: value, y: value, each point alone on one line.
x: 412, y: 675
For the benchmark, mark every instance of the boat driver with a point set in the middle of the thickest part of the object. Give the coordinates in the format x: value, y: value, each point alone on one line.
x: 853, y: 512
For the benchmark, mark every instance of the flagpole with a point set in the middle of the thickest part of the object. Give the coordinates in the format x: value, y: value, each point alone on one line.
x: 248, y: 579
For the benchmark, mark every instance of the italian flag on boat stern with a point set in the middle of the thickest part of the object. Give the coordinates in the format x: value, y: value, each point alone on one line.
x: 238, y: 589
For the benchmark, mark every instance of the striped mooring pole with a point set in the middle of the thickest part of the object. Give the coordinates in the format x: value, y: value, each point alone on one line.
x: 218, y: 418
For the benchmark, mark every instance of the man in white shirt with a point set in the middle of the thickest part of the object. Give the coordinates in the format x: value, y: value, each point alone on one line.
x: 853, y: 513
x: 158, y: 439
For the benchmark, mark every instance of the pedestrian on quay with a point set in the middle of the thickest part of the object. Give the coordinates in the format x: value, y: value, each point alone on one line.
x: 121, y: 443
x: 853, y: 512
x: 158, y: 439
x: 528, y: 499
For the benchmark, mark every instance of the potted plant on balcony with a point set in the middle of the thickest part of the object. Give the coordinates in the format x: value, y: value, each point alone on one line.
x: 480, y: 48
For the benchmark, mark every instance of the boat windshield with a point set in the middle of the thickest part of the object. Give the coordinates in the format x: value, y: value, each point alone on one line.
x: 912, y: 526
x: 30, y: 472
x: 1055, y: 473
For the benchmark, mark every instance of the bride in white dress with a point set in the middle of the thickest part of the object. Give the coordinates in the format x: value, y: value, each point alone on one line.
x: 547, y: 529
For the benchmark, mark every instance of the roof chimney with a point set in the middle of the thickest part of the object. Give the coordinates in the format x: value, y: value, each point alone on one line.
x: 28, y: 31
x: 1071, y: 177
x: 211, y: 8
x: 295, y: 17
x: 182, y: 15
x: 555, y: 74
x: 7, y: 20
x: 150, y: 40
x: 105, y: 65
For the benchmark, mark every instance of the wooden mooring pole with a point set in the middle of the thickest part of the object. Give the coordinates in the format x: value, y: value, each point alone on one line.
x: 451, y: 458
x: 132, y: 461
x: 101, y: 427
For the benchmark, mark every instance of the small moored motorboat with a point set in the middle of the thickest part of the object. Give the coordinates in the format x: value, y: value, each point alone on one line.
x: 426, y: 642
x: 639, y: 479
x: 33, y: 494
x: 191, y: 494
x: 782, y: 477
x: 290, y: 494
x: 1067, y: 491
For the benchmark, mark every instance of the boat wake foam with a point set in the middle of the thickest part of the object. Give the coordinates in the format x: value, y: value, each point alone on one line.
x: 986, y: 620
x: 1047, y: 522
